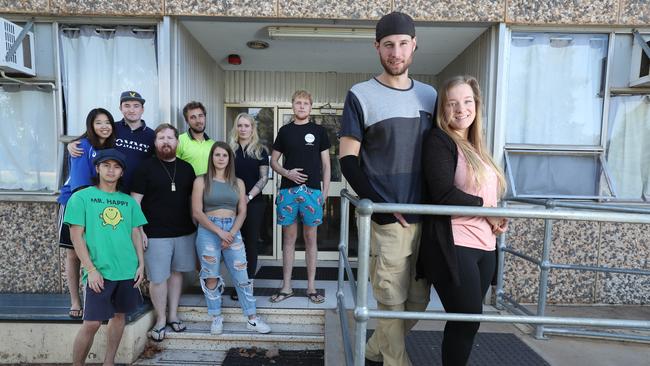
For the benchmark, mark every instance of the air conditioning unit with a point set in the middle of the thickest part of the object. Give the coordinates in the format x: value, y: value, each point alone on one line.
x: 640, y: 67
x: 22, y: 61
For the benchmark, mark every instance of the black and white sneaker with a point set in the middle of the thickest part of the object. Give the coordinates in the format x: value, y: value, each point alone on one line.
x: 258, y: 325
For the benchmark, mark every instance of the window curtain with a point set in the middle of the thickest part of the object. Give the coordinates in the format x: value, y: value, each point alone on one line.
x: 628, y: 157
x: 553, y: 87
x: 28, y: 138
x: 99, y: 64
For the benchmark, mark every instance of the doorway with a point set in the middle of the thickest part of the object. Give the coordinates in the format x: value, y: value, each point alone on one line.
x: 269, y: 120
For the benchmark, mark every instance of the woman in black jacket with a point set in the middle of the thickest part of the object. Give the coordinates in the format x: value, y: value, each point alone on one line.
x: 457, y: 254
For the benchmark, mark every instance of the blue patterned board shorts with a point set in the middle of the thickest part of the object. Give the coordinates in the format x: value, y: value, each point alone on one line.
x: 300, y: 201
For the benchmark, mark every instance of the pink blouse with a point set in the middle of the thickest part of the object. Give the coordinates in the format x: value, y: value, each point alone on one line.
x: 474, y: 231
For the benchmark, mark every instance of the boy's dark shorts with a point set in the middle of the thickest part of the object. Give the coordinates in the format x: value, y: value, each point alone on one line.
x: 64, y: 231
x: 116, y: 297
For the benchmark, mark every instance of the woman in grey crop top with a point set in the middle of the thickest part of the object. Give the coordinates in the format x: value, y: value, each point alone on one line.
x: 219, y: 206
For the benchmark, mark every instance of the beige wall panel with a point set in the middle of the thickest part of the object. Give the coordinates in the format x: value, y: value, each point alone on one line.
x: 562, y: 11
x: 29, y: 243
x: 345, y: 9
x: 278, y: 86
x: 453, y: 10
x: 635, y: 12
x: 624, y: 246
x: 108, y: 7
x: 195, y: 81
x: 243, y: 8
x: 24, y: 6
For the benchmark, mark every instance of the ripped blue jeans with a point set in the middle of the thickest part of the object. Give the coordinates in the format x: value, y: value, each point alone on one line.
x: 210, y: 253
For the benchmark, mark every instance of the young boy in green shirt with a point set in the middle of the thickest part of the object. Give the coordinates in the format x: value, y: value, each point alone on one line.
x: 104, y: 227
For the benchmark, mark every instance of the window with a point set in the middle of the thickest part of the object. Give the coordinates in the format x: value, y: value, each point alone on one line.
x: 28, y: 112
x: 628, y: 153
x: 99, y: 63
x: 28, y: 140
x: 557, y: 174
x: 554, y: 113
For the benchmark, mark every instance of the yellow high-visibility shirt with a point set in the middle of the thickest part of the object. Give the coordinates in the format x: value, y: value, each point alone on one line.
x: 194, y: 152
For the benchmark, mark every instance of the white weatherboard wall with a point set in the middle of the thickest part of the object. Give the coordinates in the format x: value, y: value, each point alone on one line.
x: 278, y: 86
x: 476, y: 60
x: 199, y: 79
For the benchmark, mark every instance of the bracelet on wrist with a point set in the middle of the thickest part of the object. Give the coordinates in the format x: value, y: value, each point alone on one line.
x: 91, y: 270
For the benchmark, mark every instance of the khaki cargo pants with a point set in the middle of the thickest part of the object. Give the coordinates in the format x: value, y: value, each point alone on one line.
x: 393, y: 255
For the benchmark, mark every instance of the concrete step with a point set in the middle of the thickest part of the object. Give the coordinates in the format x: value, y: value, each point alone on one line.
x: 174, y: 357
x: 282, y: 336
x: 270, y: 316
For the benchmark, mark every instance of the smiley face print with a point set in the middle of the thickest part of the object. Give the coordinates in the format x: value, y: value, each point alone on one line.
x: 111, y: 216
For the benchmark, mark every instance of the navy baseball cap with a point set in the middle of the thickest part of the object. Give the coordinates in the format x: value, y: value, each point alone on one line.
x: 131, y: 95
x: 110, y: 154
x: 394, y: 23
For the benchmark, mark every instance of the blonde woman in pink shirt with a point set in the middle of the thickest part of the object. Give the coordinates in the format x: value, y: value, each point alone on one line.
x: 457, y: 254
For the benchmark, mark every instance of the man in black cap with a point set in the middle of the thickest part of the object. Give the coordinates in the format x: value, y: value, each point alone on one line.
x: 384, y: 123
x: 133, y: 138
x: 105, y: 231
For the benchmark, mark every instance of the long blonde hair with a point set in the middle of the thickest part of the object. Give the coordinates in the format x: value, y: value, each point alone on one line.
x: 254, y: 148
x: 229, y: 171
x: 474, y: 146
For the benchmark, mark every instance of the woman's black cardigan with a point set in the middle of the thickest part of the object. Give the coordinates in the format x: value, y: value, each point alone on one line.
x: 437, y: 257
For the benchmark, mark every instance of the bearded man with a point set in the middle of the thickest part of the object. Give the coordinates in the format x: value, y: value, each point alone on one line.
x: 384, y: 123
x: 163, y: 188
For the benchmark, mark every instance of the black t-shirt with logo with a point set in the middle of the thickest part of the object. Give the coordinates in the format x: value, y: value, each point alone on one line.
x: 167, y: 212
x: 301, y: 146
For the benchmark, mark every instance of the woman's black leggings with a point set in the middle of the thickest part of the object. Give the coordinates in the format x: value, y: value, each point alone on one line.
x: 476, y: 268
x: 250, y: 232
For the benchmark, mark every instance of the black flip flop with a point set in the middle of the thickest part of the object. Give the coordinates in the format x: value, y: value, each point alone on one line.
x: 159, y: 334
x: 280, y: 296
x: 178, y: 326
x: 316, y: 298
x: 76, y: 313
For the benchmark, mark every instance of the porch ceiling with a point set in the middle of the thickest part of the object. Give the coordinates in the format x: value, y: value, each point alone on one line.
x: 437, y: 47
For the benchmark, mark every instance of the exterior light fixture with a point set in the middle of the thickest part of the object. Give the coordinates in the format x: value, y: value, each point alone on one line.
x: 257, y: 45
x: 290, y: 32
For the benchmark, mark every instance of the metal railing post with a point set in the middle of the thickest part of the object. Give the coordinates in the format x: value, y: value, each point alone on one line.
x: 364, y: 209
x: 343, y: 243
x: 544, y: 268
x: 340, y: 295
x: 501, y: 246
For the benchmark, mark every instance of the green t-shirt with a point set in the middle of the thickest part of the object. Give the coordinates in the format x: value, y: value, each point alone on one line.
x: 194, y: 152
x: 108, y: 219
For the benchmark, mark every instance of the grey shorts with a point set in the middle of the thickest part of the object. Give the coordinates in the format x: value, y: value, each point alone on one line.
x: 166, y: 255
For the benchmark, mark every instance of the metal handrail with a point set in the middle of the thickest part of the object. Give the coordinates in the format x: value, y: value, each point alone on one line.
x: 550, y: 203
x: 365, y: 208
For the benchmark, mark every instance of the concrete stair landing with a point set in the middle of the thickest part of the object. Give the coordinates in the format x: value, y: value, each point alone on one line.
x: 291, y: 329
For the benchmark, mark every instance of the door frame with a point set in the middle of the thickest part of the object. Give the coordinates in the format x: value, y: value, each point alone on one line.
x: 334, y: 189
x: 279, y: 110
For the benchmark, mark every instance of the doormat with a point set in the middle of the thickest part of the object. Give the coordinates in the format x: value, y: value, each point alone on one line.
x: 503, y: 349
x: 300, y: 273
x: 260, y: 356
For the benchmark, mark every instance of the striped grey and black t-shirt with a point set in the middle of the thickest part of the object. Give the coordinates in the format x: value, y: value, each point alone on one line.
x: 390, y: 124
